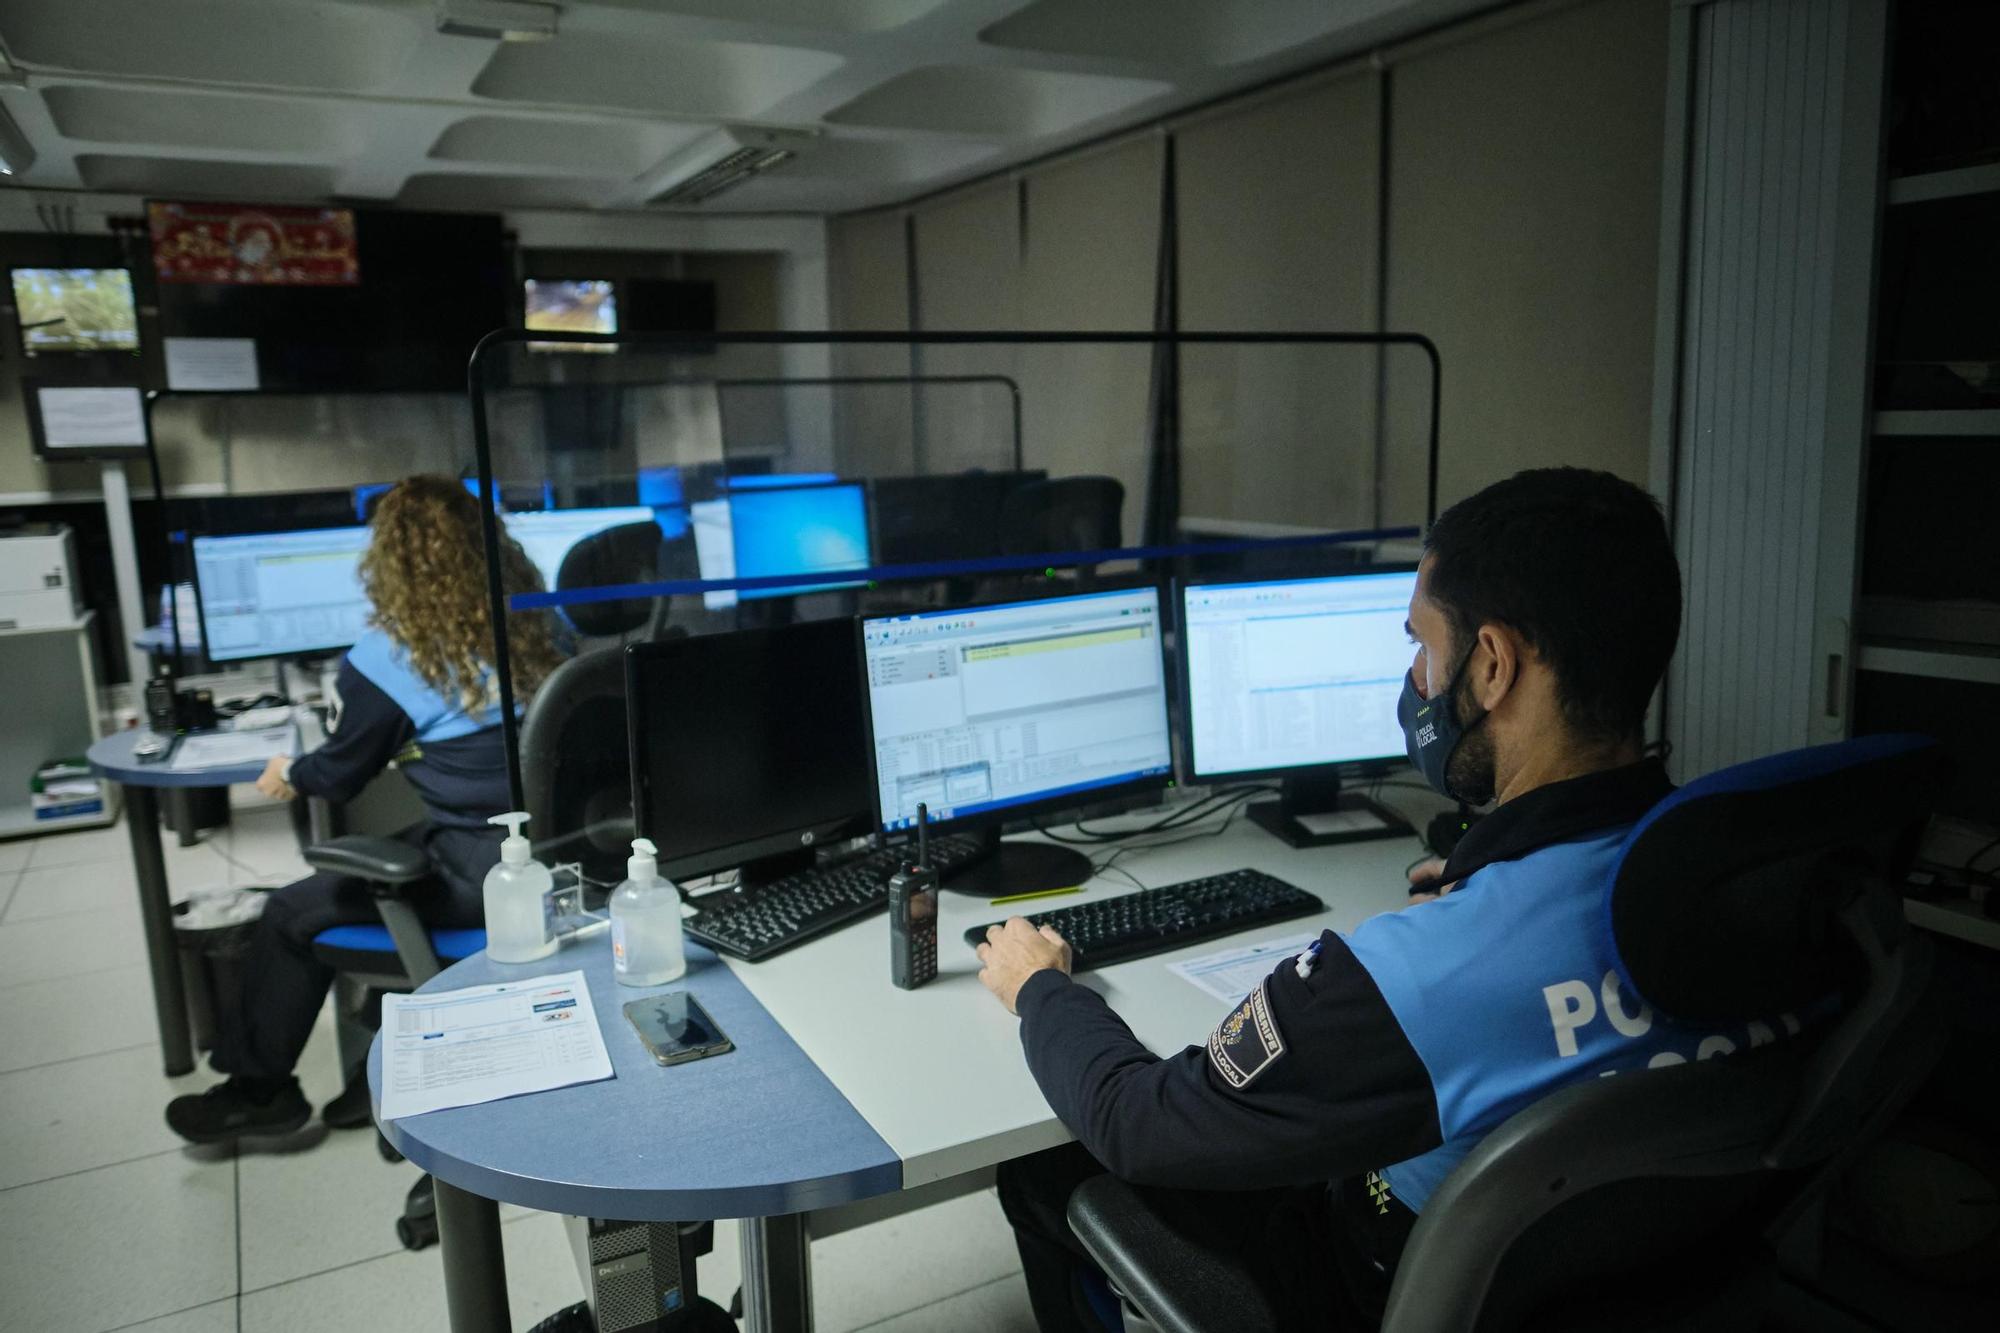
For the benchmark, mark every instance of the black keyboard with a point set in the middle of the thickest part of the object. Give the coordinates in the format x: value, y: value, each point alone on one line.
x: 765, y: 919
x: 1137, y: 925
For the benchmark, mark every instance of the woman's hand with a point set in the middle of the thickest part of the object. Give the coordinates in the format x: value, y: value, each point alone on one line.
x: 272, y: 783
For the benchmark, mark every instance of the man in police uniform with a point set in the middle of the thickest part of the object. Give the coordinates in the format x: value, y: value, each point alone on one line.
x: 1320, y: 1115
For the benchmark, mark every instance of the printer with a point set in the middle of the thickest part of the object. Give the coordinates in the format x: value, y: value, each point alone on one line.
x: 38, y: 577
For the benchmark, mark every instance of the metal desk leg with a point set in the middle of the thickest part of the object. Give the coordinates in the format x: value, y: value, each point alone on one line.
x: 777, y: 1275
x: 475, y: 1269
x: 156, y: 912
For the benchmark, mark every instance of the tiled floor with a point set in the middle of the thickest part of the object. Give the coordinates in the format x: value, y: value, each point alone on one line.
x: 108, y: 1222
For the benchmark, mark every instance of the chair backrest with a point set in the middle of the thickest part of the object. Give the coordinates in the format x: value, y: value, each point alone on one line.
x: 1062, y: 514
x: 628, y: 553
x: 576, y: 770
x: 1760, y: 889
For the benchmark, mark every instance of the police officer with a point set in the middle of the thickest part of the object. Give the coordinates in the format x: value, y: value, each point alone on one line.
x: 416, y: 690
x: 1316, y: 1120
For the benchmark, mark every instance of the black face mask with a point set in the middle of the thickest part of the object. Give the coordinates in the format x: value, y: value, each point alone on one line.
x: 1431, y: 729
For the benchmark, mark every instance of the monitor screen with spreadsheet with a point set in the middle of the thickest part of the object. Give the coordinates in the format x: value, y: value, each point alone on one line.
x: 1002, y: 710
x: 275, y: 594
x: 1294, y: 674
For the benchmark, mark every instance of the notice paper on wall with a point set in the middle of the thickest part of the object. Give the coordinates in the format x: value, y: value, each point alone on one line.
x: 84, y: 418
x: 482, y: 1043
x: 211, y: 365
x: 1234, y: 973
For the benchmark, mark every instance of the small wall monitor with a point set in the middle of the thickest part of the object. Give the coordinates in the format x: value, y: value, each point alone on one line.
x: 63, y: 310
x: 760, y: 533
x: 547, y: 536
x: 748, y: 749
x: 570, y: 305
x: 1294, y: 679
x: 996, y: 712
x: 86, y: 421
x: 280, y: 594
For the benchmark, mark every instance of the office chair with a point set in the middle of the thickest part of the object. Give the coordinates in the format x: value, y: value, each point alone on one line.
x: 576, y: 769
x: 1684, y: 1197
x: 628, y: 553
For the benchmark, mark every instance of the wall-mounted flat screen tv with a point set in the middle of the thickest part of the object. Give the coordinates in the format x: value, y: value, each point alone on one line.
x: 75, y: 310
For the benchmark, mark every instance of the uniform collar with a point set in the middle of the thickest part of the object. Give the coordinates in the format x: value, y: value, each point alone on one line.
x: 1558, y: 812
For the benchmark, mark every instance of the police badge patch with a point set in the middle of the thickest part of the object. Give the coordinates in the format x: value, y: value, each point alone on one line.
x: 1246, y: 1043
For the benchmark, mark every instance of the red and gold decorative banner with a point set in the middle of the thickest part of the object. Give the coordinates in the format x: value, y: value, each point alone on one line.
x: 246, y: 243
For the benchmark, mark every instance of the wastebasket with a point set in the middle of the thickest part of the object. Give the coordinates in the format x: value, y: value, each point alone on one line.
x: 213, y: 928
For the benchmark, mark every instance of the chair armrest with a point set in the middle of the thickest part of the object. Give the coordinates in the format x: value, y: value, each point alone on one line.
x: 1177, y: 1284
x: 382, y: 861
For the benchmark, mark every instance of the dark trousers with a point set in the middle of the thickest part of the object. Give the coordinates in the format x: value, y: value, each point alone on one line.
x: 263, y: 1033
x: 1287, y: 1238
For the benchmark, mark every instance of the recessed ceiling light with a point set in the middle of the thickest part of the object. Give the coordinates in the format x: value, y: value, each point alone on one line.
x: 497, y: 20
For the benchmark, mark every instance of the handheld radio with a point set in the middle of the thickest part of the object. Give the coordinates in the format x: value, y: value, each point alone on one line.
x: 913, y: 910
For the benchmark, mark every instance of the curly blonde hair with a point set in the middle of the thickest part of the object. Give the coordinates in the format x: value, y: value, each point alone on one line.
x: 425, y: 573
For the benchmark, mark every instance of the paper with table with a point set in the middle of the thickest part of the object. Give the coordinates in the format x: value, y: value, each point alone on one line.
x: 1234, y: 973
x: 209, y: 749
x: 482, y: 1043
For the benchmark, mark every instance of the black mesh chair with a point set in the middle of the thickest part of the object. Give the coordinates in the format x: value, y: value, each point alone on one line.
x: 627, y: 554
x: 1684, y: 1197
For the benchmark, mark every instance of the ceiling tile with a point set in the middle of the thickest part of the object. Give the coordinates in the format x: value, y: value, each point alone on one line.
x: 464, y: 191
x: 825, y: 15
x: 185, y: 178
x: 1175, y: 32
x: 723, y: 79
x: 1007, y: 103
x: 193, y: 120
x: 280, y: 42
x: 574, y: 147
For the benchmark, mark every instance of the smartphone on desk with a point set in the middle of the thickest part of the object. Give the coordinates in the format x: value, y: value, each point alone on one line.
x: 675, y: 1028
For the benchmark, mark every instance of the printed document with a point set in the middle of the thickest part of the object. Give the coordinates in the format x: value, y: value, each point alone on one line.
x: 1234, y: 973
x: 208, y: 749
x: 482, y: 1043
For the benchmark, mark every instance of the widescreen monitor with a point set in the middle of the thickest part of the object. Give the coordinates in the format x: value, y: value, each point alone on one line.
x: 1016, y: 707
x: 547, y: 536
x: 75, y: 310
x: 768, y: 533
x: 280, y: 594
x: 747, y: 746
x: 1294, y: 679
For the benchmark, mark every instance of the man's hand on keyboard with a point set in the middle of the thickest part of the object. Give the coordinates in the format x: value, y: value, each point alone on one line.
x: 1016, y: 951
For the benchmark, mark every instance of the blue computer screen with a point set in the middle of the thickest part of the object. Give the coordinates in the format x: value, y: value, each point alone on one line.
x: 275, y: 594
x: 809, y: 530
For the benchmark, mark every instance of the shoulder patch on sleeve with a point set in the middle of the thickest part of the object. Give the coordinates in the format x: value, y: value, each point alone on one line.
x: 1246, y: 1043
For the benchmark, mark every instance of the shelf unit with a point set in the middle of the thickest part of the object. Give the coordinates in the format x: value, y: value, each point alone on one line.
x: 1935, y: 423
x: 1922, y: 189
x: 51, y: 679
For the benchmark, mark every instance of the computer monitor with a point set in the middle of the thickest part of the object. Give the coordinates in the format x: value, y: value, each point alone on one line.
x: 548, y: 535
x: 75, y: 310
x: 748, y: 749
x: 760, y: 533
x: 280, y: 594
x: 1293, y: 679
x: 995, y: 712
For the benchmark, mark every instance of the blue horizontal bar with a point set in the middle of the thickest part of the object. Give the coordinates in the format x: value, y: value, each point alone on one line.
x: 998, y: 564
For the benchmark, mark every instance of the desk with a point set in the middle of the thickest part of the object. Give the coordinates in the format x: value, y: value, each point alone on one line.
x: 857, y: 1117
x: 112, y: 758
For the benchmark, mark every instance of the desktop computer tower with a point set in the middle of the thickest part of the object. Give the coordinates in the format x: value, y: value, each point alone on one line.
x: 638, y: 1277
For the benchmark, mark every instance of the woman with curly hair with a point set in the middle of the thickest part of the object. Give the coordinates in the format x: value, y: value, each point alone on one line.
x: 417, y: 690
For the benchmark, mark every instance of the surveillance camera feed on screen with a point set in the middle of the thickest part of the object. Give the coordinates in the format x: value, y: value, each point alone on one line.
x: 1295, y: 674
x: 75, y: 310
x: 279, y: 594
x: 571, y: 305
x: 1030, y: 702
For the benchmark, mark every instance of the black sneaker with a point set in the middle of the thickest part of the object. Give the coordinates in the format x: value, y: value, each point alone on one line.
x: 231, y: 1110
x: 351, y: 1109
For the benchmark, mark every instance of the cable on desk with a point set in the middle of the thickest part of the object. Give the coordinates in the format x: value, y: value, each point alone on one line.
x: 1187, y: 814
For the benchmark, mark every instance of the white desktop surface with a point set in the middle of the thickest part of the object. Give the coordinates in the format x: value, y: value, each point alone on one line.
x: 939, y: 1073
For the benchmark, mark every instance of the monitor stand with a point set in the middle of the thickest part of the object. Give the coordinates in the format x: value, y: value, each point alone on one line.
x: 1013, y: 866
x: 1315, y: 812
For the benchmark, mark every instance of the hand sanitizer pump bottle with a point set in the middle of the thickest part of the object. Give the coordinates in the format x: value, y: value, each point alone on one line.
x: 520, y: 911
x: 647, y: 945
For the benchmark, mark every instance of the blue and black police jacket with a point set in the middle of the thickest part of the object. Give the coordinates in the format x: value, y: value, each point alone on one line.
x: 1409, y: 1040
x: 456, y: 759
